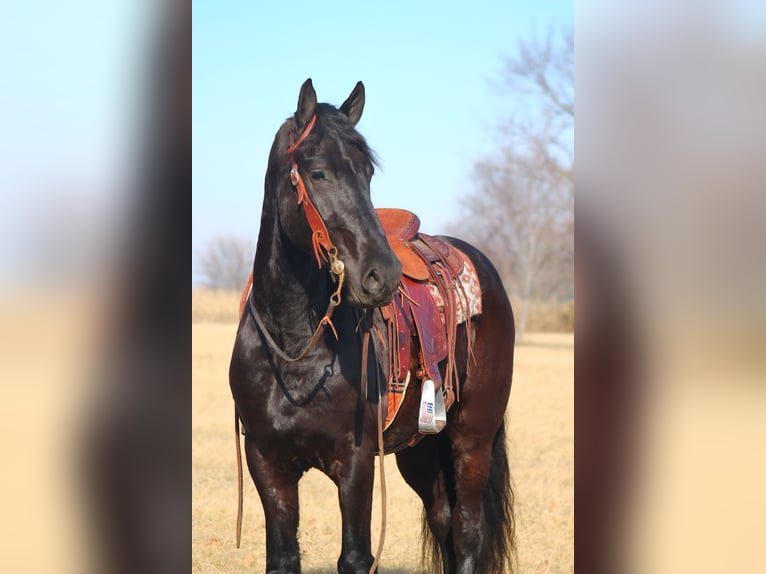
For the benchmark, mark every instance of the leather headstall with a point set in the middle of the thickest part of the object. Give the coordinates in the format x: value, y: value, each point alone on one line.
x: 324, y: 249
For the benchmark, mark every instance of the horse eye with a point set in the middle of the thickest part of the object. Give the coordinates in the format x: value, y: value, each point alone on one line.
x: 317, y: 174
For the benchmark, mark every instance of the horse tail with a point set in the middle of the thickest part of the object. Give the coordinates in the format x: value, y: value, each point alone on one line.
x: 499, y: 520
x: 430, y: 553
x: 498, y: 509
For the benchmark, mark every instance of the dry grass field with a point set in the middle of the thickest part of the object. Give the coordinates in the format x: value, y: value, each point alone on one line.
x: 541, y: 435
x: 544, y: 316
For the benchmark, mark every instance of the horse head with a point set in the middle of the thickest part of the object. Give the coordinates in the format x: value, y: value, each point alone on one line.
x: 321, y: 169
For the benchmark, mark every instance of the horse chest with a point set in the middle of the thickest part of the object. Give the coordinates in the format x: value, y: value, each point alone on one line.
x: 307, y: 435
x: 301, y: 404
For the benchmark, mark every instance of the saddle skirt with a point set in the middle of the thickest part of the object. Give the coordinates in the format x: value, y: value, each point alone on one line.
x: 438, y: 291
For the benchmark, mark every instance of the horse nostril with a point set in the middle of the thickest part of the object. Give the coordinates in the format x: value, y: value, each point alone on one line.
x: 372, y: 282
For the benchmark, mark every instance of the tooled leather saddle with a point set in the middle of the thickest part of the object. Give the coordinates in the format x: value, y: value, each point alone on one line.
x: 421, y: 333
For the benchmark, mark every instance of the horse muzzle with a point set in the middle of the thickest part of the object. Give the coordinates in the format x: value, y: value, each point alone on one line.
x: 377, y: 283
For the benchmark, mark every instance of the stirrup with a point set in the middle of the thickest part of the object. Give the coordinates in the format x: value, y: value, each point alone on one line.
x: 433, y: 416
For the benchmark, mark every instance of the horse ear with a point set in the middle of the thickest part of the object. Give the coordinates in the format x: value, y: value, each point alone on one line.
x: 354, y: 105
x: 307, y: 104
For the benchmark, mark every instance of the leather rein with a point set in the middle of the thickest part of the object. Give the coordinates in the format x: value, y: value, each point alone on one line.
x: 324, y: 250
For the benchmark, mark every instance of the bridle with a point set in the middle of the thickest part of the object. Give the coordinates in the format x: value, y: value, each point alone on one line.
x: 324, y: 250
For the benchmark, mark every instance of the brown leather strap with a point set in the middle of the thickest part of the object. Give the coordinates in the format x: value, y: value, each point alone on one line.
x: 365, y: 356
x: 320, y: 237
x: 303, y: 136
x: 245, y: 294
x: 326, y: 320
x: 367, y: 324
x: 239, y: 477
x: 381, y: 455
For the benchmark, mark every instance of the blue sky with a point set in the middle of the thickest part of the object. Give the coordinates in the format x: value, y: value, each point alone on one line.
x: 428, y: 68
x: 73, y: 106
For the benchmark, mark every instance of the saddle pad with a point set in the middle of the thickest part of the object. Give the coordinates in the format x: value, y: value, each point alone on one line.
x: 468, y: 293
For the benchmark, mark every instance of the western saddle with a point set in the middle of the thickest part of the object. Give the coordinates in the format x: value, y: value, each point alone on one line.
x: 422, y: 333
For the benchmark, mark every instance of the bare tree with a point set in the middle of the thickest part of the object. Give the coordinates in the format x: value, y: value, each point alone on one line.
x: 523, y: 200
x: 226, y: 261
x: 520, y: 219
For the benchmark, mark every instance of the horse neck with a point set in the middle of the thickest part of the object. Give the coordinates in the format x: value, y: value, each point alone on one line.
x: 290, y: 291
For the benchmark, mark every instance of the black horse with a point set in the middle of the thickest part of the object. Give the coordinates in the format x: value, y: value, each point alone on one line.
x: 311, y: 412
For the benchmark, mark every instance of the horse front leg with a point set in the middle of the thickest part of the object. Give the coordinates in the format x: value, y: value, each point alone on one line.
x: 277, y: 487
x: 355, y: 480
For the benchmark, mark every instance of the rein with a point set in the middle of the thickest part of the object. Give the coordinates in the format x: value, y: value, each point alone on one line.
x: 324, y: 250
x: 325, y: 320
